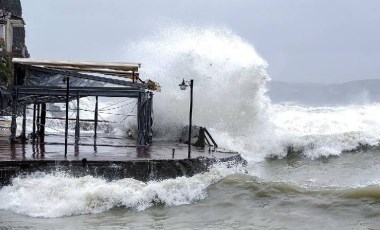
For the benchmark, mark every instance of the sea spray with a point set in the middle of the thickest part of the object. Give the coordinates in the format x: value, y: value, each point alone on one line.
x: 229, y: 85
x: 229, y: 98
x: 59, y: 194
x: 327, y: 131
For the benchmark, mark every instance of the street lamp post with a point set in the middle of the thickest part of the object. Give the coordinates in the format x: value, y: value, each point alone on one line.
x: 183, y: 86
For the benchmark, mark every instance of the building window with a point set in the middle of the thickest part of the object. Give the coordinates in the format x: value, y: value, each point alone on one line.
x: 2, y: 32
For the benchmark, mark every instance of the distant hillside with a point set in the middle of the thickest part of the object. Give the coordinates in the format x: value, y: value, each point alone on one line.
x: 353, y: 92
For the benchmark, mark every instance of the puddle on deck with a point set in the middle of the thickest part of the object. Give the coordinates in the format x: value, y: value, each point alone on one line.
x: 105, y: 148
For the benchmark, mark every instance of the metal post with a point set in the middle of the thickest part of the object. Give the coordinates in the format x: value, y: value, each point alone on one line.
x: 14, y: 116
x: 77, y: 125
x: 191, y: 116
x: 67, y: 113
x: 150, y: 118
x: 212, y: 139
x: 43, y: 122
x: 96, y: 117
x: 34, y: 123
x: 140, y: 120
x: 23, y: 132
x: 38, y: 119
x: 14, y: 105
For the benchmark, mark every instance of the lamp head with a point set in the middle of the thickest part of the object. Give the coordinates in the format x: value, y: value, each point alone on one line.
x: 183, y: 85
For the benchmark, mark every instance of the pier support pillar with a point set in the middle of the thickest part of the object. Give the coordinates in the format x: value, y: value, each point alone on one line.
x: 150, y: 118
x: 43, y: 122
x: 14, y: 113
x: 13, y: 124
x: 23, y: 132
x: 96, y: 118
x: 141, y: 119
x: 38, y: 119
x: 34, y: 123
x: 67, y: 113
x: 144, y: 118
x: 77, y: 124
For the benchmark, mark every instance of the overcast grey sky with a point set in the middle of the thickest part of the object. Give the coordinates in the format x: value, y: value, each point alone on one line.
x: 302, y: 40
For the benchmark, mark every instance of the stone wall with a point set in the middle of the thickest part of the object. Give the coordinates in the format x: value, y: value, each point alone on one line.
x: 18, y: 50
x: 14, y: 7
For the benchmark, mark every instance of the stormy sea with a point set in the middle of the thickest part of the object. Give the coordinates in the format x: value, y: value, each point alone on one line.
x: 312, y: 150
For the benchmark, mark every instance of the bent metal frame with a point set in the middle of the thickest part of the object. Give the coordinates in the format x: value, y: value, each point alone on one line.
x: 38, y: 82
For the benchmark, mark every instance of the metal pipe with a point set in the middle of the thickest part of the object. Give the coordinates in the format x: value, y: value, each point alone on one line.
x: 23, y: 133
x: 212, y: 139
x: 83, y: 120
x: 208, y: 142
x: 38, y: 123
x: 43, y: 122
x: 34, y: 123
x: 14, y: 104
x: 77, y: 124
x: 67, y: 113
x: 190, y: 117
x: 96, y: 117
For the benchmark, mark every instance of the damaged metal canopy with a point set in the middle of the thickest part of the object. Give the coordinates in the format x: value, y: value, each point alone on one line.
x: 44, y: 81
x: 117, y: 66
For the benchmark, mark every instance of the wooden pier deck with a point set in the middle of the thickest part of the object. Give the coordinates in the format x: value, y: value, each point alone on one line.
x: 106, y: 148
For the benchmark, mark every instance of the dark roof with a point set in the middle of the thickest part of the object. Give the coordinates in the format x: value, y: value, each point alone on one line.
x: 44, y: 81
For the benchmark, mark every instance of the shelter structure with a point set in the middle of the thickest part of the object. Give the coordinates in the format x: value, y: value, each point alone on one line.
x: 38, y: 82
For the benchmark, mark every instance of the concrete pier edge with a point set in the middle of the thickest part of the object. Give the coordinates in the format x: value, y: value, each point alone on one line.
x: 143, y: 170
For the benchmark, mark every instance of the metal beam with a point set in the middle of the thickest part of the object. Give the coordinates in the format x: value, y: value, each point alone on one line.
x: 23, y: 132
x: 27, y: 100
x: 96, y: 118
x: 88, y: 77
x: 83, y: 91
x: 80, y: 64
x: 43, y: 122
x: 14, y: 109
x: 38, y: 118
x: 67, y: 114
x: 118, y: 73
x: 77, y: 123
x: 34, y: 123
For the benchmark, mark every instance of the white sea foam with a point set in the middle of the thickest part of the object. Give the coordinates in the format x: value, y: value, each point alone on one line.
x: 229, y: 84
x: 56, y: 195
x: 325, y: 131
x: 229, y: 98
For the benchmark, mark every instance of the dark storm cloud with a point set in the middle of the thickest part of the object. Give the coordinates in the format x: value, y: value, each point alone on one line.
x: 302, y: 40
